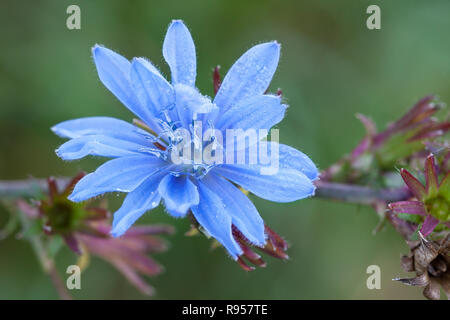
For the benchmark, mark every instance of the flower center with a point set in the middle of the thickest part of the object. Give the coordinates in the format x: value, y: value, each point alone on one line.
x: 183, y: 126
x: 191, y: 152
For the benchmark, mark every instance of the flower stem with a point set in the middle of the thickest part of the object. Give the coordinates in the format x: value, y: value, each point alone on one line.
x: 359, y: 194
x: 47, y: 264
x: 25, y: 188
x: 369, y: 196
x: 328, y: 190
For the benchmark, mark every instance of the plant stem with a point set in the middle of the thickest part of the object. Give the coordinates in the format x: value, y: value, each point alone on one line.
x: 47, y: 264
x: 369, y: 196
x: 25, y: 188
x: 359, y: 194
x: 328, y: 190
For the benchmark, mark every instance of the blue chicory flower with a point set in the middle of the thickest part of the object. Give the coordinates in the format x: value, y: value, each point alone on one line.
x: 143, y: 165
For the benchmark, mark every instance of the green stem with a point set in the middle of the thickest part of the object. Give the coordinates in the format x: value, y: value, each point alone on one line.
x: 47, y: 264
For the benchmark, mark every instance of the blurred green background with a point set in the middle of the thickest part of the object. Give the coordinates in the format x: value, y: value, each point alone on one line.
x: 331, y: 67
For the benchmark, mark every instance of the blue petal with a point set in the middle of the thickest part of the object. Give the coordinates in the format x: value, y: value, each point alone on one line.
x: 117, y: 175
x: 250, y: 75
x: 255, y: 112
x: 284, y: 186
x: 288, y: 158
x: 136, y: 203
x: 189, y: 104
x: 179, y: 194
x: 114, y: 71
x: 242, y: 211
x: 100, y: 126
x: 179, y: 52
x: 261, y: 154
x: 213, y: 217
x: 291, y: 158
x: 97, y: 145
x: 151, y: 88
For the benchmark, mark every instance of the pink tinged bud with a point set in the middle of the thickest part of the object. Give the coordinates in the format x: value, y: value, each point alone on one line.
x: 142, y: 263
x: 133, y: 277
x: 416, y: 126
x: 248, y: 253
x: 144, y: 243
x: 414, y: 185
x: 431, y: 131
x: 368, y: 124
x: 251, y: 256
x: 415, y: 114
x: 275, y: 246
x: 31, y: 211
x: 274, y: 251
x: 405, y: 228
x: 410, y: 207
x: 216, y: 79
x: 431, y: 175
x: 362, y: 147
x: 150, y: 229
x: 279, y: 242
x: 129, y: 252
x: 366, y: 143
x: 244, y: 265
x: 69, y: 187
x: 72, y: 243
x: 52, y: 188
x: 428, y: 225
x: 421, y: 110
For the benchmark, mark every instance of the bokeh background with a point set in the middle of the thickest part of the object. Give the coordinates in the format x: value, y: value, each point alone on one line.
x: 331, y: 67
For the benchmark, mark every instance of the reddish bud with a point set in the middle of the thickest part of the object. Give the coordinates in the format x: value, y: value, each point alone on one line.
x: 216, y: 79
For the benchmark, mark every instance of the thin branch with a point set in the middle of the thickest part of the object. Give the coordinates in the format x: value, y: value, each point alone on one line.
x: 359, y: 194
x: 25, y: 188
x: 328, y: 190
x: 369, y: 196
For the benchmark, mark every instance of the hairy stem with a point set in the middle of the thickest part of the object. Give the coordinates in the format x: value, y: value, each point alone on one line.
x: 328, y: 190
x: 369, y: 196
x: 359, y: 194
x: 25, y: 188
